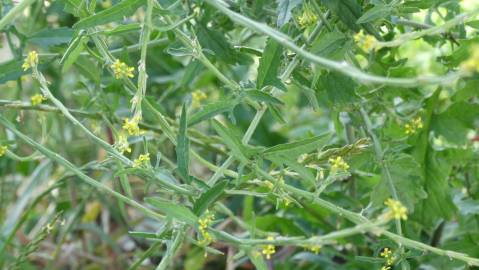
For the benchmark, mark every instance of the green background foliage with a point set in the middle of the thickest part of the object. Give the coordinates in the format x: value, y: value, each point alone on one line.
x: 243, y: 107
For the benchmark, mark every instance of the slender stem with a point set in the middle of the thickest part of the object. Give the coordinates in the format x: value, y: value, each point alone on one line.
x: 142, y: 75
x: 341, y: 67
x: 429, y: 31
x: 172, y: 249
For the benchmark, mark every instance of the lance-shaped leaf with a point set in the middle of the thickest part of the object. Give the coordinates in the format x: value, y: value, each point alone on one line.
x: 294, y: 149
x: 238, y: 150
x: 183, y: 148
x: 173, y: 210
x: 209, y: 197
x: 269, y: 65
x: 114, y: 13
x: 212, y: 109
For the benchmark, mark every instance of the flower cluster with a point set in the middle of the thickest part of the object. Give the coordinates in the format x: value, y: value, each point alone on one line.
x: 131, y: 126
x: 37, y: 99
x: 204, y: 223
x: 142, y: 161
x: 3, y: 150
x: 122, y: 144
x: 30, y: 61
x: 308, y: 17
x: 268, y: 250
x: 197, y: 97
x: 122, y: 70
x: 387, y: 254
x: 413, y: 126
x: 396, y: 208
x: 364, y: 41
x: 471, y: 65
x: 338, y: 164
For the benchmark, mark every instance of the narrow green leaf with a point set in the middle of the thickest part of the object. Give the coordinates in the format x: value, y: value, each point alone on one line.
x: 212, y: 109
x: 73, y: 52
x: 124, y: 28
x: 263, y: 97
x: 258, y: 260
x: 50, y: 37
x: 377, y: 12
x: 294, y: 149
x: 269, y: 65
x: 231, y: 140
x: 173, y: 210
x: 183, y: 147
x: 114, y: 13
x: 209, y: 197
x: 11, y: 70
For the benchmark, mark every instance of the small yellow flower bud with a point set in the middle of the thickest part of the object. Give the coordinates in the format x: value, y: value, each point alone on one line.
x: 122, y: 70
x: 314, y: 248
x: 3, y: 150
x: 197, y: 97
x: 268, y: 250
x: 338, y: 164
x: 30, y: 61
x: 397, y: 210
x: 122, y: 144
x: 37, y: 99
x: 386, y: 253
x: 131, y: 126
x: 364, y: 41
x: 413, y: 126
x: 308, y: 17
x: 142, y: 161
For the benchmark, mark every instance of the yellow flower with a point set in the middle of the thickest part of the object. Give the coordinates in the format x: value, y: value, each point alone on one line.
x: 471, y: 65
x: 142, y: 161
x: 268, y: 250
x: 30, y: 61
x: 3, y: 150
x: 204, y: 223
x: 268, y: 184
x: 314, y: 248
x: 37, y: 99
x: 364, y: 41
x: 338, y: 164
x: 197, y: 97
x: 308, y: 17
x: 397, y: 210
x: 122, y: 70
x: 131, y: 125
x: 413, y: 126
x: 122, y: 144
x: 386, y: 253
x: 390, y: 260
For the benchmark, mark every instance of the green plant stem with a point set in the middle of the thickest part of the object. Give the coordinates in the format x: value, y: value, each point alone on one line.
x: 14, y: 12
x: 301, y: 241
x: 72, y: 168
x: 142, y: 75
x: 440, y: 29
x: 341, y: 67
x: 172, y: 249
x: 384, y: 168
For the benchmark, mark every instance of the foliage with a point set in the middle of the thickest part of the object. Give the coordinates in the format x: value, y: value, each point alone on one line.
x: 211, y: 134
